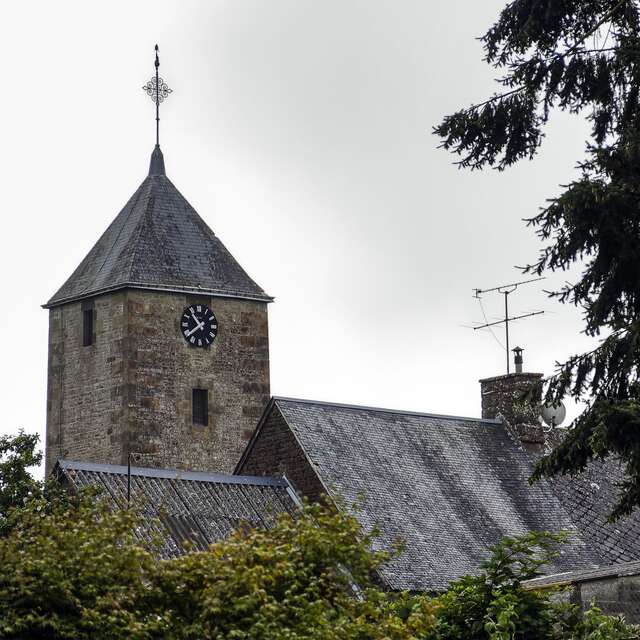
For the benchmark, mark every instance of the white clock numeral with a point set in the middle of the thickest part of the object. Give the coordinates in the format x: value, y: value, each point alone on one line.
x: 207, y: 341
x: 214, y: 326
x: 191, y: 309
x: 186, y: 333
x: 192, y: 340
x: 199, y: 308
x: 211, y: 334
x: 199, y: 342
x: 185, y: 324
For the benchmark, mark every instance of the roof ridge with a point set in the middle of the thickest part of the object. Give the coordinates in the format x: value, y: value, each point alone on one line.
x: 140, y: 227
x: 384, y: 410
x: 173, y: 474
x: 134, y: 202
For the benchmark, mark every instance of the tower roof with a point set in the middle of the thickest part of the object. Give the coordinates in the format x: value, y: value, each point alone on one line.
x: 159, y: 242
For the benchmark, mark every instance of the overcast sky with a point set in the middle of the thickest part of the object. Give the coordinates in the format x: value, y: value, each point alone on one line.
x: 301, y: 132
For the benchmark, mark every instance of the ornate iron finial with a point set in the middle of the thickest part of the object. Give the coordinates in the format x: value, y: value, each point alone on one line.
x: 157, y: 89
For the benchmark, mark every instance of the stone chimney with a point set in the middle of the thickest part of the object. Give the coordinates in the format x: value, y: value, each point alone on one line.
x: 516, y: 397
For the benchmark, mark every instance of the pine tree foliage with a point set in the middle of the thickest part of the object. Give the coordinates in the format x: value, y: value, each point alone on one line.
x: 582, y: 57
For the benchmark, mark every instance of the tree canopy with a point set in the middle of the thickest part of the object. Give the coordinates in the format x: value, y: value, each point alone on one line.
x: 17, y: 455
x: 73, y: 569
x: 582, y: 57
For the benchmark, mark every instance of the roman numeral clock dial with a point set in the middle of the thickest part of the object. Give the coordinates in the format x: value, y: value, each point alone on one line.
x: 198, y: 325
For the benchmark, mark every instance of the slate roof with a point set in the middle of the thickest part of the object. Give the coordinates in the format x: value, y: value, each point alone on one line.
x: 448, y: 487
x: 196, y: 507
x: 589, y: 498
x: 159, y: 242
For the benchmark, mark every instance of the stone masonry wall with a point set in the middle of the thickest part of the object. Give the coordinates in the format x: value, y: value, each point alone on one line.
x: 618, y: 595
x: 614, y: 589
x: 132, y: 389
x: 276, y: 452
x: 85, y: 402
x: 516, y: 397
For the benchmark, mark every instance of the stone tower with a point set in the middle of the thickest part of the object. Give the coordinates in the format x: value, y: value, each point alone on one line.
x: 158, y: 343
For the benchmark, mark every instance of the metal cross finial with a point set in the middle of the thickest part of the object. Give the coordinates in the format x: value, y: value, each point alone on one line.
x: 157, y: 89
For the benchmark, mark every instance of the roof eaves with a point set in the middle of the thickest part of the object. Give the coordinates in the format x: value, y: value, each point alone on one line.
x: 585, y: 575
x: 216, y: 293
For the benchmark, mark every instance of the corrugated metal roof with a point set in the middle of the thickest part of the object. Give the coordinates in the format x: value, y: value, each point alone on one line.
x: 159, y: 242
x: 182, y: 506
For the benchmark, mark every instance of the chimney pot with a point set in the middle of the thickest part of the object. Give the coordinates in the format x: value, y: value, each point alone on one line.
x: 518, y: 358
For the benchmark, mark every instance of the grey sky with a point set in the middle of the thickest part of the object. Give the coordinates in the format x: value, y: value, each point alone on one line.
x: 300, y: 131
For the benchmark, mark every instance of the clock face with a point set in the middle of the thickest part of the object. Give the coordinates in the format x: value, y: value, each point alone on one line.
x: 198, y: 325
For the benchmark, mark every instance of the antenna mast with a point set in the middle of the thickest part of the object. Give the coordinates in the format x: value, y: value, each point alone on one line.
x: 506, y: 290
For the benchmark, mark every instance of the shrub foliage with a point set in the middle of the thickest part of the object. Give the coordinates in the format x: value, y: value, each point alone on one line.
x: 73, y: 568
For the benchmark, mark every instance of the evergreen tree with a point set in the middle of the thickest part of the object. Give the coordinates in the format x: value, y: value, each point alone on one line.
x: 583, y: 57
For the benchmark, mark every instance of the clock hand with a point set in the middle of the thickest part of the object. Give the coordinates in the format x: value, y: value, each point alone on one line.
x: 198, y: 322
x: 198, y: 326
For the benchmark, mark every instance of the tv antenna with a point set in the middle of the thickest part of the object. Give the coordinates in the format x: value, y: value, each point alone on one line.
x: 505, y: 290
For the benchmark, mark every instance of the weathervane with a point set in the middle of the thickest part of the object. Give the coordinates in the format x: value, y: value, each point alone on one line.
x: 157, y: 89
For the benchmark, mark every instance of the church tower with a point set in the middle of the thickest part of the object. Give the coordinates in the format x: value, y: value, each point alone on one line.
x: 158, y: 342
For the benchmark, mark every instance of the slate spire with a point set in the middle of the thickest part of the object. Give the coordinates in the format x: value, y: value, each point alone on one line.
x: 158, y: 242
x: 156, y: 166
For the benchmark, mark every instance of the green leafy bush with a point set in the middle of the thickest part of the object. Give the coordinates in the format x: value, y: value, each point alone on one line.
x: 17, y: 454
x: 497, y: 605
x: 73, y: 568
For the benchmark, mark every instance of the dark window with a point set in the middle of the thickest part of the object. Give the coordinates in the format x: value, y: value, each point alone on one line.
x: 87, y: 327
x: 200, y: 406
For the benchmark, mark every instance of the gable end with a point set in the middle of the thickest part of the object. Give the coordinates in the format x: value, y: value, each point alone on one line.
x: 274, y: 450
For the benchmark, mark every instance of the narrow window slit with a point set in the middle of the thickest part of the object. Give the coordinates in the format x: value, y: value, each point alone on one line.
x: 200, y: 404
x: 87, y: 327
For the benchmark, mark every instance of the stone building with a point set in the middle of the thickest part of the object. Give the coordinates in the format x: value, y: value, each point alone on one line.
x: 159, y: 354
x: 158, y: 342
x: 449, y: 487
